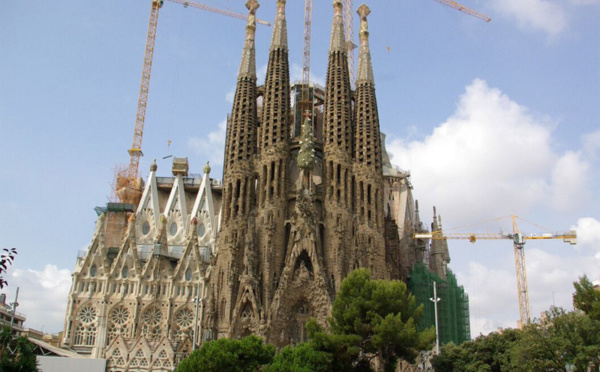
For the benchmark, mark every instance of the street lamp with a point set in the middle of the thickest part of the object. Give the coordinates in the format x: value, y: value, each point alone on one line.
x: 435, y: 299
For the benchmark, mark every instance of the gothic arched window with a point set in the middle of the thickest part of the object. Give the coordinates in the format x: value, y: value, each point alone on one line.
x: 86, y: 330
x: 118, y: 322
x: 152, y: 320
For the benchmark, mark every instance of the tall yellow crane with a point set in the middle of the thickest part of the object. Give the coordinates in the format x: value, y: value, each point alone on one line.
x: 519, y: 240
x: 306, y: 55
x: 127, y: 187
x: 349, y: 28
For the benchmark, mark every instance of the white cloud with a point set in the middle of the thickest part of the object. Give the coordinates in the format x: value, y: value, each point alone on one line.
x: 296, y: 75
x: 42, y: 296
x: 211, y: 145
x: 585, y: 2
x: 491, y: 158
x: 537, y: 15
x: 591, y: 144
x: 569, y: 180
x: 588, y: 233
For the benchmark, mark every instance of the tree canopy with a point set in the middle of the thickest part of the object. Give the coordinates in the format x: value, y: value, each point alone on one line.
x: 244, y: 355
x: 559, y: 339
x: 586, y: 298
x: 384, y: 315
x: 16, y: 353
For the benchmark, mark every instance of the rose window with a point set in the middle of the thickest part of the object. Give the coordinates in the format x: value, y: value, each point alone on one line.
x: 87, y: 314
x: 185, y: 318
x: 152, y: 316
x: 119, y: 315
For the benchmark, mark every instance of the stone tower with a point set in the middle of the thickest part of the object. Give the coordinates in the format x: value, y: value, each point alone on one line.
x: 302, y: 213
x: 235, y: 264
x: 337, y: 153
x: 367, y: 181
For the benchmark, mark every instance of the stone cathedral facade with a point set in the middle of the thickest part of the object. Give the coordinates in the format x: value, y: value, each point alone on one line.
x: 305, y: 199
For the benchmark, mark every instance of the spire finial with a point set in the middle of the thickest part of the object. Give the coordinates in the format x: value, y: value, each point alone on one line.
x: 365, y: 67
x: 252, y: 5
x: 279, y: 38
x: 338, y: 41
x: 248, y: 63
x: 363, y: 11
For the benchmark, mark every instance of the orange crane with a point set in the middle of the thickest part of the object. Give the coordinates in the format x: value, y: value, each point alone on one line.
x: 349, y: 24
x: 126, y: 186
x: 519, y: 240
x: 471, y: 12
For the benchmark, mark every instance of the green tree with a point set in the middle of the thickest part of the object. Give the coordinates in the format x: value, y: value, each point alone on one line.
x: 301, y: 358
x: 486, y: 353
x: 586, y: 298
x: 559, y: 339
x: 245, y: 355
x: 16, y: 353
x: 383, y: 315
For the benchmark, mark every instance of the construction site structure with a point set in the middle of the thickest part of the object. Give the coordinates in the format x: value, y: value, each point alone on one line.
x: 518, y: 239
x: 126, y: 185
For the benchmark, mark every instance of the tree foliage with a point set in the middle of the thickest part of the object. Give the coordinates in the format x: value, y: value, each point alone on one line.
x: 586, y: 298
x: 16, y: 353
x: 486, y: 353
x: 6, y: 259
x: 245, y: 355
x: 559, y: 339
x: 383, y: 315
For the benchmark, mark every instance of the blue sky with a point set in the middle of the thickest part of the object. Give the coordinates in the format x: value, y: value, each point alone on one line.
x: 491, y: 119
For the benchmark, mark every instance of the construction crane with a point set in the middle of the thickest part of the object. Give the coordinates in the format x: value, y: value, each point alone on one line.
x: 306, y: 104
x: 464, y: 9
x: 519, y: 240
x: 349, y: 28
x: 126, y: 185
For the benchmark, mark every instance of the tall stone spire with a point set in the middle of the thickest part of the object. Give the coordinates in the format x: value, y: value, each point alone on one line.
x: 248, y: 63
x: 338, y: 41
x: 367, y: 169
x: 236, y: 238
x: 279, y: 37
x: 337, y: 152
x: 365, y: 68
x: 273, y: 160
x: 241, y: 139
x: 276, y: 106
x: 367, y: 135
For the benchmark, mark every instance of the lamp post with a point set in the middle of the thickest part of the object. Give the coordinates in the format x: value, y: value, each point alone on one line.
x: 435, y: 299
x: 14, y: 309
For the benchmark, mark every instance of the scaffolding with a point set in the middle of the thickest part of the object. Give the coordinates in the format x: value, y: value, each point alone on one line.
x: 453, y: 308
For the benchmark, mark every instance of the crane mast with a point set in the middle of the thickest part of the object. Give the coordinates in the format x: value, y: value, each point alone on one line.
x: 350, y: 46
x: 306, y: 54
x: 135, y: 152
x: 519, y: 240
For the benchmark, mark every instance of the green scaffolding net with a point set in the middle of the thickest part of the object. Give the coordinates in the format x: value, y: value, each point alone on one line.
x: 453, y: 307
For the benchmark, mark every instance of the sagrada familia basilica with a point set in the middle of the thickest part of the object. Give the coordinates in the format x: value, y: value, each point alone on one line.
x: 308, y: 195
